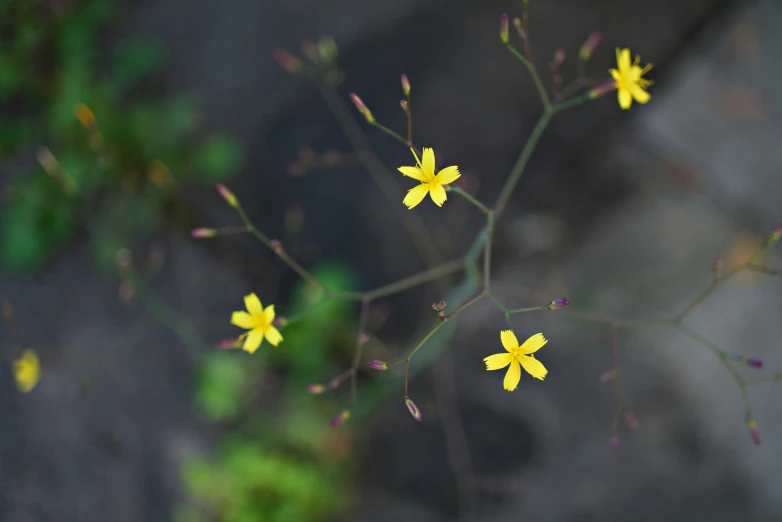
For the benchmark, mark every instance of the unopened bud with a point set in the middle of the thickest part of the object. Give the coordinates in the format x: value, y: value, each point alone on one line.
x: 439, y: 306
x: 753, y: 363
x: 602, y: 89
x: 558, y: 303
x: 614, y: 443
x: 362, y: 108
x: 201, y: 233
x: 405, y: 85
x: 504, y: 28
x: 228, y: 196
x: 378, y: 365
x: 589, y: 46
x: 413, y: 409
x: 279, y: 321
x: 753, y: 430
x: 276, y: 245
x: 403, y: 104
x: 327, y: 49
x: 774, y: 237
x: 340, y: 418
x: 316, y: 389
x: 226, y: 344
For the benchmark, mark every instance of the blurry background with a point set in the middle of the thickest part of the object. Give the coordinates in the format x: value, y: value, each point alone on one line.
x: 137, y: 415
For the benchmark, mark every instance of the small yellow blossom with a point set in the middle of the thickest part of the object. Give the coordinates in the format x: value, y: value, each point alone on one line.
x: 259, y: 323
x: 431, y: 183
x: 517, y: 357
x: 629, y: 81
x: 27, y: 371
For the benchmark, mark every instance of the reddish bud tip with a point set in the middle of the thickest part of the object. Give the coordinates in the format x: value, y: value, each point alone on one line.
x: 365, y: 112
x: 287, y: 61
x: 228, y: 196
x: 504, y: 28
x: 316, y: 389
x: 589, y: 46
x: 228, y: 343
x: 558, y: 303
x: 202, y: 233
x: 774, y: 237
x: 340, y: 418
x: 405, y: 85
x: 602, y: 90
x: 614, y: 443
x: 753, y: 430
x: 403, y: 104
x: 378, y: 365
x: 413, y: 409
x: 754, y: 363
x: 439, y: 306
x: 276, y: 245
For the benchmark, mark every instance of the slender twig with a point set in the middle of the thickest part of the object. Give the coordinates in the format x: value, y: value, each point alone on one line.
x: 416, y: 279
x: 396, y: 136
x: 463, y: 193
x: 487, y: 252
x: 522, y: 310
x: 534, y: 73
x: 360, y: 342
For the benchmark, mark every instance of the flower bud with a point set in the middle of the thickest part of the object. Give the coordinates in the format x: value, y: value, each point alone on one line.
x: 228, y: 196
x: 276, y: 245
x: 519, y: 28
x: 439, y: 307
x: 228, y: 343
x: 403, y: 104
x: 362, y: 108
x: 589, y: 46
x: 327, y: 49
x: 602, y: 89
x: 378, y: 365
x: 558, y: 303
x: 316, y: 389
x: 405, y: 85
x: 774, y: 237
x: 753, y: 430
x: 753, y: 363
x: 504, y: 28
x: 280, y: 321
x: 340, y: 418
x: 202, y: 233
x: 413, y: 409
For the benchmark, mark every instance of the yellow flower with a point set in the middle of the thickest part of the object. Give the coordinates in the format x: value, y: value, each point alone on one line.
x: 516, y: 357
x: 628, y: 79
x: 27, y: 371
x: 259, y: 323
x: 431, y: 183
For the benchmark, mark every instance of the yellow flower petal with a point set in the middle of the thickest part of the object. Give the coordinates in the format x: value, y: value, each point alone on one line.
x: 415, y: 195
x: 253, y: 304
x: 448, y: 175
x: 640, y: 95
x: 438, y: 195
x: 413, y: 172
x: 625, y: 98
x: 273, y: 336
x: 615, y: 74
x: 253, y: 341
x: 427, y: 163
x: 533, y: 344
x: 268, y: 314
x: 242, y: 320
x: 498, y: 361
x: 27, y: 371
x: 513, y: 376
x: 623, y: 59
x: 533, y: 366
x: 509, y: 341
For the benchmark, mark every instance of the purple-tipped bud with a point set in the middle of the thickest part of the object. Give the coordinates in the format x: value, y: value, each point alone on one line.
x: 774, y: 237
x: 316, y: 389
x: 202, y: 233
x: 586, y: 51
x: 287, y: 61
x: 504, y: 28
x: 614, y: 443
x: 753, y: 430
x: 403, y: 104
x: 405, y: 85
x: 378, y: 365
x: 228, y: 196
x: 602, y: 90
x: 228, y: 343
x: 558, y: 303
x: 754, y: 363
x: 413, y: 409
x: 559, y: 57
x: 363, y: 109
x: 439, y: 306
x: 276, y: 245
x: 340, y: 418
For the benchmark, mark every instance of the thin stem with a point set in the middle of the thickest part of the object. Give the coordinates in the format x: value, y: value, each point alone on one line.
x: 525, y: 25
x: 360, y: 342
x: 559, y: 107
x: 407, y: 373
x: 416, y: 279
x: 765, y: 270
x: 480, y: 206
x: 521, y: 163
x: 280, y: 251
x: 487, y: 252
x: 534, y: 73
x: 396, y: 136
x: 409, y: 114
x: 522, y: 310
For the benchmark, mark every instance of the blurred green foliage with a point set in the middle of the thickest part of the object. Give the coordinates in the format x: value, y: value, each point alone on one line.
x: 285, y: 464
x: 117, y: 163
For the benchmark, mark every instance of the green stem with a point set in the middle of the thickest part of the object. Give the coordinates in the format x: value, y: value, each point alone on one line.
x: 522, y: 310
x: 480, y: 206
x: 578, y: 100
x: 416, y: 279
x: 393, y: 134
x: 535, y: 76
x: 487, y: 253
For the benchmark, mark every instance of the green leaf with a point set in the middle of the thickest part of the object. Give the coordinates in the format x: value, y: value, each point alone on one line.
x: 220, y: 158
x: 136, y: 59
